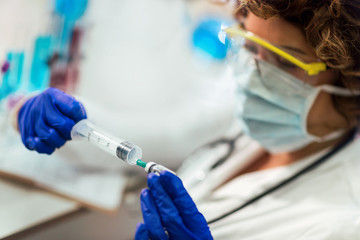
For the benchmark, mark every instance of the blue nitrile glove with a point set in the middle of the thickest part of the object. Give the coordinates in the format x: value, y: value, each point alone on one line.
x: 141, y: 232
x: 166, y: 205
x: 45, y: 121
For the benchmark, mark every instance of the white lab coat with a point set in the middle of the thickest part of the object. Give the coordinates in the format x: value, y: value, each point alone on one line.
x: 322, y: 204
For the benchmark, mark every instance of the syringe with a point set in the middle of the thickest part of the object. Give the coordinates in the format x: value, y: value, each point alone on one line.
x: 122, y: 149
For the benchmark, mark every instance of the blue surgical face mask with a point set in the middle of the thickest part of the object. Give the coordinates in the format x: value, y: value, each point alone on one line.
x: 273, y: 105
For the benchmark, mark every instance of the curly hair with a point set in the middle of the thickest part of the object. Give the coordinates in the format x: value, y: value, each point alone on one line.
x: 332, y: 28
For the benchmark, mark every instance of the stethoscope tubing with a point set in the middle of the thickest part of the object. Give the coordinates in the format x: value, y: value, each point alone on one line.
x: 291, y: 179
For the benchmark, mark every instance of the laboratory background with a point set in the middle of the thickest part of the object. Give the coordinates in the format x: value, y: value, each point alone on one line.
x: 141, y: 70
x: 179, y: 119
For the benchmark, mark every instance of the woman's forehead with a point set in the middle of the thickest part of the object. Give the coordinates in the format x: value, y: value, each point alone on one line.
x: 278, y: 32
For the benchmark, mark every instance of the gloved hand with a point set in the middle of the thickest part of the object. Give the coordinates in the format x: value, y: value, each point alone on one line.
x: 166, y: 205
x: 45, y: 121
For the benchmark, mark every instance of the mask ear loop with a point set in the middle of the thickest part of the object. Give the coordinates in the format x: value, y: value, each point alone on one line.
x: 335, y: 91
x: 339, y: 91
x: 343, y: 92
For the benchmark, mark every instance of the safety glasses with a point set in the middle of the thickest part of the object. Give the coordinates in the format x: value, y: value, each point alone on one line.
x: 274, y: 55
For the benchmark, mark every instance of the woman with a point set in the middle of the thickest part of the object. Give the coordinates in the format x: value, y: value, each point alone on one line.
x: 295, y: 175
x: 295, y: 172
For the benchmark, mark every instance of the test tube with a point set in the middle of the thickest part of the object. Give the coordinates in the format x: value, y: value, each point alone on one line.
x: 119, y: 148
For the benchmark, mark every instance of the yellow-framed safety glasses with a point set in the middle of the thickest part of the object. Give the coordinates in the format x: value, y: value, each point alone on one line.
x: 310, y: 68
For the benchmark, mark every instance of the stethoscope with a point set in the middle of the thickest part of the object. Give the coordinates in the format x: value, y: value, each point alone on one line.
x: 231, y: 144
x: 283, y: 183
x: 214, y: 154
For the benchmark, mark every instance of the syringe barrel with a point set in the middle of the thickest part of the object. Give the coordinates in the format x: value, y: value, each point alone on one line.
x: 120, y: 148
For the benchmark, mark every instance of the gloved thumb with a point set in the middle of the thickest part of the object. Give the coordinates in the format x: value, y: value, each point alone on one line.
x: 141, y: 232
x: 30, y: 143
x: 36, y: 144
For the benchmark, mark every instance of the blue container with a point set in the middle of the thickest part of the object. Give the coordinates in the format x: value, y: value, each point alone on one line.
x: 209, y: 38
x: 40, y: 70
x: 72, y: 10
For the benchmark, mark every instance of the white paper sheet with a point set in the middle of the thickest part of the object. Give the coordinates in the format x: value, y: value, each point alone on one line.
x: 94, y: 188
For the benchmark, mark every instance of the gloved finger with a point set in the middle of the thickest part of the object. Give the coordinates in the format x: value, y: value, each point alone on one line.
x: 54, y: 139
x: 141, y: 232
x: 151, y: 216
x: 34, y: 143
x: 168, y: 212
x: 192, y: 218
x: 30, y: 143
x: 61, y: 123
x: 48, y: 135
x: 68, y: 105
x: 25, y: 134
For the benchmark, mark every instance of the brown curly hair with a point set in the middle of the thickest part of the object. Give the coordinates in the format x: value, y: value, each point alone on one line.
x: 332, y: 28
